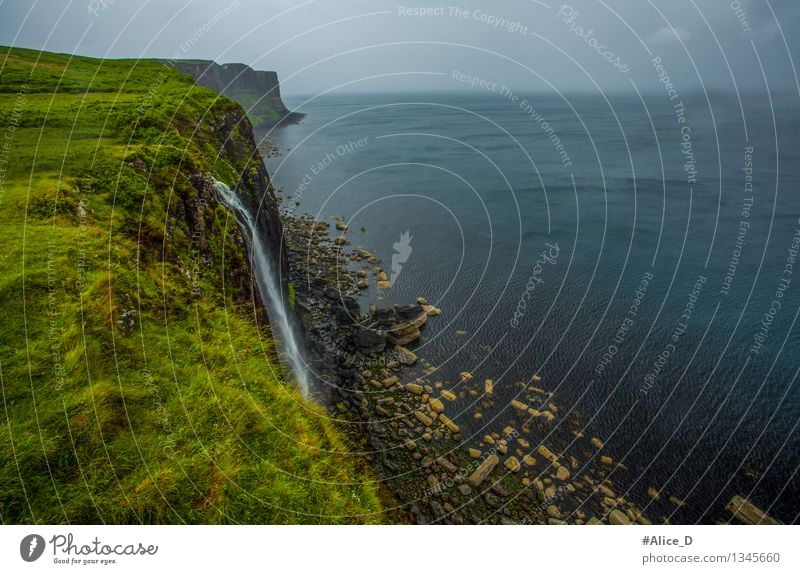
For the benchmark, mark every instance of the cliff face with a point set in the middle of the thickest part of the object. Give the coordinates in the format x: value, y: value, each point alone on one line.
x: 258, y: 92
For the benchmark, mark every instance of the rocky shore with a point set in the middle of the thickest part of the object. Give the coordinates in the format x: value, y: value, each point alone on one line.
x: 368, y: 374
x: 409, y: 420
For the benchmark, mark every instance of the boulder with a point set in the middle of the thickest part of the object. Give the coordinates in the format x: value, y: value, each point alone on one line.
x: 618, y: 517
x: 405, y: 356
x: 453, y: 427
x: 423, y: 418
x: 436, y: 405
x: 448, y: 395
x: 414, y: 388
x: 512, y: 464
x: 562, y: 473
x: 747, y: 512
x: 403, y: 335
x: 390, y: 381
x: 483, y: 471
x: 475, y: 453
x: 370, y: 342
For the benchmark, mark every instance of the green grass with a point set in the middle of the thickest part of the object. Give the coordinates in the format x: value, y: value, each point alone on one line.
x: 136, y: 385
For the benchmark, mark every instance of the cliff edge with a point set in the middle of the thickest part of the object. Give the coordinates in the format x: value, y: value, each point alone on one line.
x: 258, y: 92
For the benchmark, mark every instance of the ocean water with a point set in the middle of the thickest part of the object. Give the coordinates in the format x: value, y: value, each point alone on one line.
x: 534, y: 225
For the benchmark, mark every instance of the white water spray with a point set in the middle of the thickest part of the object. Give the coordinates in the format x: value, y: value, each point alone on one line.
x: 268, y: 285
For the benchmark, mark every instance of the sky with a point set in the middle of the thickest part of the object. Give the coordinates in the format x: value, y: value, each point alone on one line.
x: 318, y: 46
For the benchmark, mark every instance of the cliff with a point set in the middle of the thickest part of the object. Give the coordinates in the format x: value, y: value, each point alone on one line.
x: 258, y: 92
x: 140, y: 379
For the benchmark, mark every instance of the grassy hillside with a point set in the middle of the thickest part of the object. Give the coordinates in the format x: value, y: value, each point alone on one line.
x: 136, y: 386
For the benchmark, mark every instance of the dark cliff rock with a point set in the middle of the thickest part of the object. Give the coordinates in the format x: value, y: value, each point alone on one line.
x: 258, y: 92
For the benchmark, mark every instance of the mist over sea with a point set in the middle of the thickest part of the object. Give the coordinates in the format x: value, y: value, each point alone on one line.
x: 643, y: 265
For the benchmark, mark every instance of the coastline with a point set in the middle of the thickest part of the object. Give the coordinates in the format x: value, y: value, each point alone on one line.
x: 391, y: 400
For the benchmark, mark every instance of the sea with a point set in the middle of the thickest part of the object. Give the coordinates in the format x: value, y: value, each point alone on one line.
x: 642, y: 258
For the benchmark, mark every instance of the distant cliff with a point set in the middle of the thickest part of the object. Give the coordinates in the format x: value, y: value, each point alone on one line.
x: 258, y: 92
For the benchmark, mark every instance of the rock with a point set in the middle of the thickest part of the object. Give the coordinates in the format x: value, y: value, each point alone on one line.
x: 483, y: 471
x: 405, y: 356
x: 385, y: 285
x: 597, y: 443
x: 332, y: 294
x: 553, y: 511
x: 422, y: 301
x: 447, y: 465
x: 618, y: 517
x: 528, y: 460
x: 370, y: 342
x: 341, y: 240
x: 363, y: 284
x: 382, y: 276
x: 433, y: 482
x: 536, y: 378
x: 747, y: 512
x: 475, y: 453
x: 547, y: 453
x: 464, y: 489
x: 502, y: 449
x: 607, y: 460
x: 676, y: 501
x: 341, y: 226
x: 403, y: 335
x: 488, y: 386
x: 436, y: 405
x: 414, y: 388
x: 488, y: 439
x: 512, y: 464
x: 465, y: 376
x: 432, y: 311
x: 390, y: 381
x: 562, y: 473
x: 453, y: 427
x: 594, y: 520
x: 410, y: 312
x: 523, y: 443
x: 450, y: 396
x: 519, y: 405
x: 423, y: 418
x: 653, y: 493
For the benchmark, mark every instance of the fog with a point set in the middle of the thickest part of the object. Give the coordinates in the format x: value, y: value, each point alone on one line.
x: 377, y: 45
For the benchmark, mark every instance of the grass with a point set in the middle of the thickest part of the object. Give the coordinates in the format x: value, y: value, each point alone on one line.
x: 136, y: 385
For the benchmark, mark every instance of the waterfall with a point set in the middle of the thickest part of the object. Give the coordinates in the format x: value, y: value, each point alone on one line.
x: 268, y: 286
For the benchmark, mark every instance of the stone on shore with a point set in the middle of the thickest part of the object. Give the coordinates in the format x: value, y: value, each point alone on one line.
x: 453, y: 427
x: 747, y: 512
x: 405, y: 356
x: 390, y: 381
x: 436, y: 405
x: 475, y: 453
x: 483, y: 471
x: 448, y: 395
x: 370, y: 342
x: 403, y: 335
x: 618, y: 517
x: 512, y: 464
x: 562, y: 473
x: 414, y: 388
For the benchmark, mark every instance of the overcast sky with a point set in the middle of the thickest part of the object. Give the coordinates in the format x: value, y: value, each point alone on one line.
x: 369, y: 45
